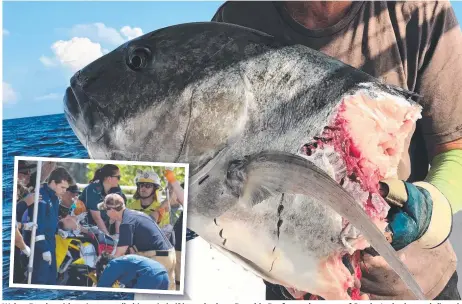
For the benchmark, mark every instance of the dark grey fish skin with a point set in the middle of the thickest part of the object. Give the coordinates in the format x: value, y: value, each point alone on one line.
x: 213, y: 95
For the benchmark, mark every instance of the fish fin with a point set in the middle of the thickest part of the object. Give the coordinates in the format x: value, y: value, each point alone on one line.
x: 271, y: 173
x: 237, y: 178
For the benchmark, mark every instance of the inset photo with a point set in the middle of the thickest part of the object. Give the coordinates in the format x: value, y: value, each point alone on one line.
x: 98, y: 225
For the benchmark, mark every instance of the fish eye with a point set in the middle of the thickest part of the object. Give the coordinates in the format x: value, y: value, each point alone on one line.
x: 139, y: 58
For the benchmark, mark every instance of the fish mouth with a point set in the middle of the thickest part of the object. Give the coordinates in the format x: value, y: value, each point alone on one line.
x: 73, y: 114
x: 83, y: 113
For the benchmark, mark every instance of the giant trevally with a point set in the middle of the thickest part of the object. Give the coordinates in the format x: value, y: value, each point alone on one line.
x: 286, y: 146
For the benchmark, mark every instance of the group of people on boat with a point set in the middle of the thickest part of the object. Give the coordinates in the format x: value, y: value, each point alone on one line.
x: 146, y: 232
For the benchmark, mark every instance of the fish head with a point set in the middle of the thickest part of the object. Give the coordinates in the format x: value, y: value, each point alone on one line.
x: 172, y: 95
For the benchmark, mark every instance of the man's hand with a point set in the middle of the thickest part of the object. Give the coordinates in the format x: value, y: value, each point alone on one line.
x: 419, y: 212
x: 26, y: 251
x: 94, y: 230
x: 47, y: 257
x: 169, y: 174
x: 29, y: 225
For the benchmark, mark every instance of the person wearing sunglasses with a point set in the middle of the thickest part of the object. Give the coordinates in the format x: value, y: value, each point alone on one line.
x: 146, y: 197
x: 105, y: 180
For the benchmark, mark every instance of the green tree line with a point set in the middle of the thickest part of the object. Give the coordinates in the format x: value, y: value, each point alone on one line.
x: 128, y: 173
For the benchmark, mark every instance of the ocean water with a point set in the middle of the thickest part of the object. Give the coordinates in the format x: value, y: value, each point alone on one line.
x: 46, y: 136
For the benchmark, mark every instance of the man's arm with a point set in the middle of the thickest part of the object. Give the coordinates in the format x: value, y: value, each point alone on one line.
x: 99, y: 221
x: 120, y: 251
x: 18, y: 240
x: 155, y: 216
x: 125, y: 239
x: 177, y: 189
x: 428, y: 205
x: 117, y: 227
x: 446, y: 172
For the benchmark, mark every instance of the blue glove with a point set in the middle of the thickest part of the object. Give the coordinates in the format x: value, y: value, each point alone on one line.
x: 413, y: 211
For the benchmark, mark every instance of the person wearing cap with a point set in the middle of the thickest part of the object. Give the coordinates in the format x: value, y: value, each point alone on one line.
x: 131, y: 271
x: 146, y: 197
x: 69, y: 201
x: 140, y: 234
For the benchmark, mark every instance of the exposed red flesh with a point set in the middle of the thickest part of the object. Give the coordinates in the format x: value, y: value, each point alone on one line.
x: 362, y: 168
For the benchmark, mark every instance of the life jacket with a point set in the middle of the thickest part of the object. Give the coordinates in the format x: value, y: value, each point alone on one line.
x: 164, y: 217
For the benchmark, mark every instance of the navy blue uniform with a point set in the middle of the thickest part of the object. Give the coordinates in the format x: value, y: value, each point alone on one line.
x: 135, y: 271
x: 140, y: 230
x: 178, y: 230
x: 47, y: 226
x: 94, y: 194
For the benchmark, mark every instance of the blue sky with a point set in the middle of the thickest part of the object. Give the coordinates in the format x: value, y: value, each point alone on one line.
x: 36, y: 35
x: 43, y: 43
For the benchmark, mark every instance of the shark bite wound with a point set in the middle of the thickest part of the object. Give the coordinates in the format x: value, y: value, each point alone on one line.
x: 362, y: 145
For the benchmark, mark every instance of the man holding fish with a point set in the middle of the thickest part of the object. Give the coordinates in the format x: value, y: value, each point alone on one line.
x: 417, y: 46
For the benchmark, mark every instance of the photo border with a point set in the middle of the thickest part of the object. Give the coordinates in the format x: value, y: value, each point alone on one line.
x: 11, y: 284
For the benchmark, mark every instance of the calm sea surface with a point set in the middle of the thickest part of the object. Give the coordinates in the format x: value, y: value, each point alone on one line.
x: 46, y: 136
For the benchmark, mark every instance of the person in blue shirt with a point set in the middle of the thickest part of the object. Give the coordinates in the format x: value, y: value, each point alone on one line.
x: 131, y: 271
x: 140, y: 234
x: 105, y: 181
x: 44, y: 271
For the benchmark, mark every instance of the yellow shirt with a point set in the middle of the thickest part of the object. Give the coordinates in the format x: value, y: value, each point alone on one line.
x: 136, y: 205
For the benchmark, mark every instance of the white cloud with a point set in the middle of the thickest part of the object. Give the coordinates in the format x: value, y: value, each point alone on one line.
x: 98, y: 32
x: 6, y: 32
x: 103, y: 34
x: 47, y: 61
x: 131, y: 33
x: 51, y: 96
x: 87, y: 44
x: 76, y: 53
x: 9, y: 95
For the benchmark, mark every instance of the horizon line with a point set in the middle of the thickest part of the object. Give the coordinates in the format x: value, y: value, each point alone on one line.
x: 32, y: 116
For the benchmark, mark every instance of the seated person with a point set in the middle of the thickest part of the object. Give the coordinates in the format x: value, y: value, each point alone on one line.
x: 70, y: 225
